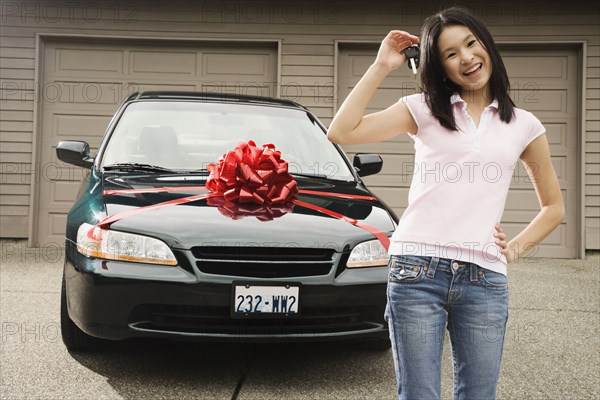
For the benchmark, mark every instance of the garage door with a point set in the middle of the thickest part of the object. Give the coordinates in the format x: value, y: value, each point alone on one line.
x: 84, y: 83
x: 543, y: 81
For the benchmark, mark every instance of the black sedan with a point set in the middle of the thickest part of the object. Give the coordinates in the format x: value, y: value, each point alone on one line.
x: 152, y: 252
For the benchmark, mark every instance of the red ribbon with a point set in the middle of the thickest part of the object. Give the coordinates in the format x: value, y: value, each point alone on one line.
x: 248, y: 181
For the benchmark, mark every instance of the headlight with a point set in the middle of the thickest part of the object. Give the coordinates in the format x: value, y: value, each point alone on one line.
x: 368, y: 254
x: 113, y: 245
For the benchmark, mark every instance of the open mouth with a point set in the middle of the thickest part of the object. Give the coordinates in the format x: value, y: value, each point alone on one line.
x: 473, y: 70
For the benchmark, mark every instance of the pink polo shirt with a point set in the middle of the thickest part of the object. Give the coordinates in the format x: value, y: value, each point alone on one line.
x: 460, y: 182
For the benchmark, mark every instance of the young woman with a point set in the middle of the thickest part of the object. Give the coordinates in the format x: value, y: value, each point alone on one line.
x: 448, y: 255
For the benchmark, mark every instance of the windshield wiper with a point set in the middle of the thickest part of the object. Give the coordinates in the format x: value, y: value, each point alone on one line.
x: 317, y: 176
x: 136, y: 167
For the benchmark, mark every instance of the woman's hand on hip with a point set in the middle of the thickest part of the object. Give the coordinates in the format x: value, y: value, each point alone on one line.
x: 390, y: 52
x: 509, y: 253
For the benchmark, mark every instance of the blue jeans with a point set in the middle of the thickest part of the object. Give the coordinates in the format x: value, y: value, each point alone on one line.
x: 426, y: 295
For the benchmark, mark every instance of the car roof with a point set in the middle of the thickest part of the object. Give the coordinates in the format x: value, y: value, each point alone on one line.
x: 212, y: 97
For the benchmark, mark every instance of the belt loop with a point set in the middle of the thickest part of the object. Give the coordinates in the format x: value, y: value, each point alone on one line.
x: 473, y: 272
x: 432, y: 267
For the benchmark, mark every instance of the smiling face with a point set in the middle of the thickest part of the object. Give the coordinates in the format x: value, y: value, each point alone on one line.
x: 466, y: 62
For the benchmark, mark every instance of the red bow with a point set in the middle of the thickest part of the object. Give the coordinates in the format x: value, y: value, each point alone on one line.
x: 251, y: 174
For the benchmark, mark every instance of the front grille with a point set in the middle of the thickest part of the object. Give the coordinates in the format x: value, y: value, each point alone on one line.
x: 216, y: 320
x: 263, y: 262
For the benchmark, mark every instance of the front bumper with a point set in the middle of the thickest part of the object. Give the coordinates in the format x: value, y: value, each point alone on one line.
x: 117, y: 308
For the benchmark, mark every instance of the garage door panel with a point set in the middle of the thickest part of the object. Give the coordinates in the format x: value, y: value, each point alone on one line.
x: 87, y: 60
x: 69, y: 126
x: 529, y: 85
x: 57, y: 223
x: 543, y: 82
x: 86, y: 92
x: 162, y: 63
x: 64, y: 191
x: 556, y: 134
x: 533, y: 100
x: 358, y: 63
x: 522, y: 199
x: 91, y: 80
x: 551, y: 66
x: 242, y: 65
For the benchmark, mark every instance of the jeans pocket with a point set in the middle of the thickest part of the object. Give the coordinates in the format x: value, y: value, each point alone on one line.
x: 407, y: 269
x: 494, y: 280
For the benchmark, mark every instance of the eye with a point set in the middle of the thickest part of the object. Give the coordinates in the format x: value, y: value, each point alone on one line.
x: 471, y: 43
x: 450, y: 55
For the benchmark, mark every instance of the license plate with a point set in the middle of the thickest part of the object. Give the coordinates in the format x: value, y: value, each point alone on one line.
x: 258, y: 299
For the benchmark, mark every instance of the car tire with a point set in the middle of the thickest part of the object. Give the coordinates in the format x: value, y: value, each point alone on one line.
x: 74, y: 338
x: 376, y: 345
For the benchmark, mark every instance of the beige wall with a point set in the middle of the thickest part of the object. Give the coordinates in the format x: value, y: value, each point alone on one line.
x: 308, y: 31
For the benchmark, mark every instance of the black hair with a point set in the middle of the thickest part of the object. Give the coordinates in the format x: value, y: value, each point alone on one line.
x: 437, y: 88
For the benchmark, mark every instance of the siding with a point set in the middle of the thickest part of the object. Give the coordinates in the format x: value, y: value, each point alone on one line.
x: 592, y: 145
x: 308, y: 31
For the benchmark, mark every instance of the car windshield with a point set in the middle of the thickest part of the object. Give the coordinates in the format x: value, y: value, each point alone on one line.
x: 187, y: 136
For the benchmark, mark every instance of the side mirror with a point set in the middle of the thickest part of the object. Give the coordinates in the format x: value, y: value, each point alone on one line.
x: 367, y: 163
x: 74, y: 152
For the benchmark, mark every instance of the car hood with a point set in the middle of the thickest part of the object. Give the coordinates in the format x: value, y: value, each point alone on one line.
x: 202, y: 223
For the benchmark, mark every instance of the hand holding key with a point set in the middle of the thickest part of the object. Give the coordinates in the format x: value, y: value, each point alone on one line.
x: 391, y: 54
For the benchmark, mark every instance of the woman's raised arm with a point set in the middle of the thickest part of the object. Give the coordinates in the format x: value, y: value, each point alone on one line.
x: 350, y: 125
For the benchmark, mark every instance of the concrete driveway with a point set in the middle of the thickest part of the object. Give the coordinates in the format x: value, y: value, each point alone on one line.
x: 552, y: 348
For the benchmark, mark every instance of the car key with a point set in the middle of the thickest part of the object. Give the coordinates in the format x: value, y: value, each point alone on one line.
x: 412, y: 54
